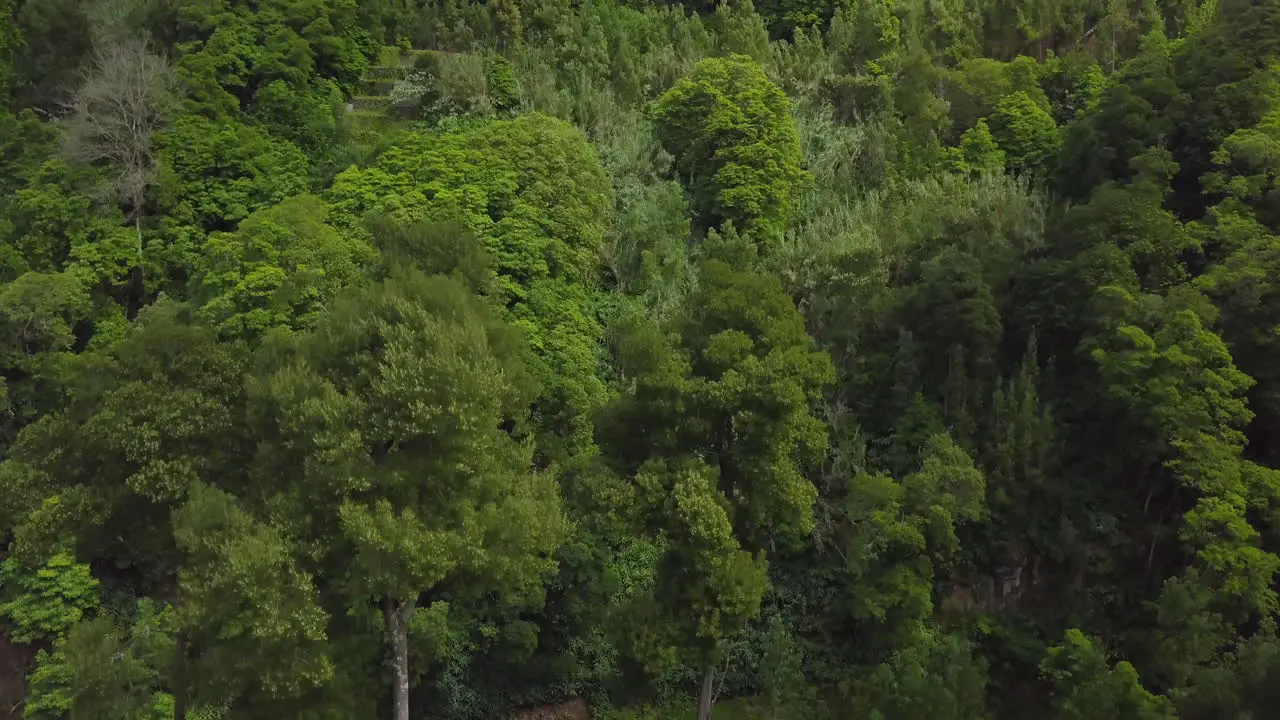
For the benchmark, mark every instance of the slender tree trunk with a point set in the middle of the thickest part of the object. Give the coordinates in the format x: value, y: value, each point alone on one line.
x: 704, y: 698
x: 397, y: 615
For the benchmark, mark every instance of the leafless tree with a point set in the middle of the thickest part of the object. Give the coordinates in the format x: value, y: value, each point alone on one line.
x: 123, y: 100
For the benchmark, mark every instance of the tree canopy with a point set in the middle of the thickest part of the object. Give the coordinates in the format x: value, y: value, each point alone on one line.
x: 639, y: 361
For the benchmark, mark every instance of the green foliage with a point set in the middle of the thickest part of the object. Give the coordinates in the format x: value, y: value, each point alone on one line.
x: 407, y: 379
x: 1086, y: 686
x: 1132, y: 115
x: 11, y: 45
x: 1027, y: 134
x: 900, y: 532
x: 708, y: 586
x: 214, y: 175
x: 281, y: 268
x: 735, y: 146
x: 228, y: 51
x: 105, y: 669
x: 143, y: 420
x: 934, y: 677
x: 1246, y: 164
x: 1074, y: 85
x: 978, y: 153
x: 531, y: 189
x: 39, y: 314
x: 503, y: 87
x: 44, y: 603
x: 737, y: 379
x: 244, y: 591
x: 840, y: 355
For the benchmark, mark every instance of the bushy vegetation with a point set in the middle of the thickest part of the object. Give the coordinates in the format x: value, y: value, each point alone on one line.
x: 423, y: 358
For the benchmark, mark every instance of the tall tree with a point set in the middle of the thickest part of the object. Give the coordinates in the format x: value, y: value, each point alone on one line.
x: 716, y: 430
x: 387, y: 449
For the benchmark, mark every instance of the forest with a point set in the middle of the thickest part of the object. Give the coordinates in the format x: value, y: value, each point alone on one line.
x: 639, y: 359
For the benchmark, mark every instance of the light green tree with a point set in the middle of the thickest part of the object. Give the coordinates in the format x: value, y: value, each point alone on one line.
x: 1088, y: 687
x: 279, y: 269
x: 735, y: 145
x: 1027, y: 133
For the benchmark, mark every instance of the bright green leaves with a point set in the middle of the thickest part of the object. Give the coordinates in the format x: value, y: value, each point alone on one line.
x: 279, y: 269
x: 39, y: 314
x: 230, y: 50
x: 734, y: 580
x: 1087, y: 687
x: 735, y: 145
x: 106, y: 669
x: 978, y: 153
x: 310, y: 117
x: 50, y: 222
x: 219, y: 172
x: 44, y: 602
x: 1176, y: 383
x: 756, y: 376
x: 1131, y: 217
x: 530, y: 187
x: 867, y: 37
x: 887, y: 564
x: 1181, y: 382
x: 1027, y: 134
x: 417, y: 369
x: 947, y: 489
x: 396, y: 554
x: 533, y: 192
x: 1246, y: 169
x: 1244, y: 288
x: 715, y: 430
x: 143, y: 421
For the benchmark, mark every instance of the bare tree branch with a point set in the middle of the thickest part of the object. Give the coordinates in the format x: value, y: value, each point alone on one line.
x: 123, y: 100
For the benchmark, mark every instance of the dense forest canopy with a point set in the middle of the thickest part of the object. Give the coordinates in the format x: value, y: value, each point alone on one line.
x: 884, y: 359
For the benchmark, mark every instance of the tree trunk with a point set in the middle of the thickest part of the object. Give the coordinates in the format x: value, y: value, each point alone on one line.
x: 397, y: 615
x: 704, y: 698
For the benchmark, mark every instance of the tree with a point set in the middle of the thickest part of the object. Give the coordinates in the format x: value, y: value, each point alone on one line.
x: 978, y: 153
x: 715, y: 431
x: 279, y: 269
x: 531, y: 189
x: 39, y: 314
x: 1027, y: 134
x: 10, y: 45
x: 1088, y: 688
x: 119, y: 473
x: 46, y: 601
x: 1245, y: 169
x: 245, y: 597
x: 735, y: 145
x: 386, y: 449
x: 122, y: 103
x: 106, y: 669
